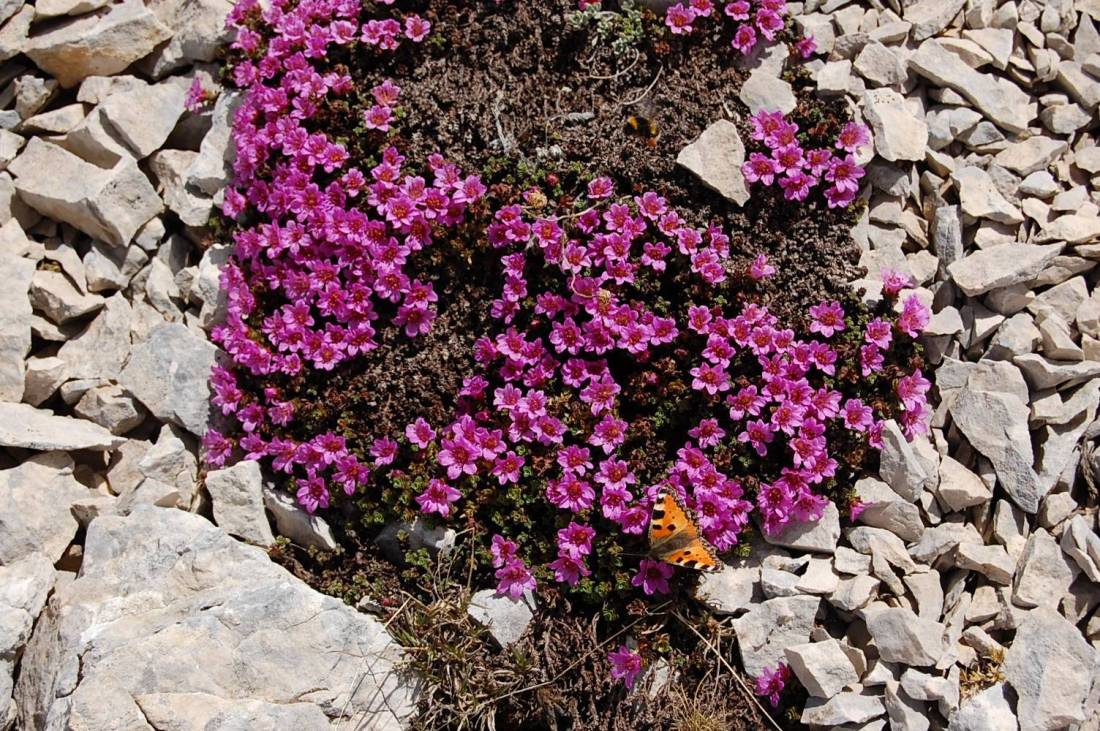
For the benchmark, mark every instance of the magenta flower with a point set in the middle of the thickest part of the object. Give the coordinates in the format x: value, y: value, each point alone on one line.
x: 600, y: 188
x: 738, y: 10
x: 438, y: 498
x: 771, y: 682
x: 852, y: 137
x: 895, y: 281
x: 759, y: 434
x: 653, y: 576
x: 312, y: 494
x: 914, y: 316
x: 678, y: 18
x: 796, y: 185
x: 744, y: 39
x: 570, y: 493
x: 911, y: 390
x: 383, y: 450
x: 502, y: 550
x: 857, y: 416
x: 626, y: 665
x: 827, y: 318
x: 420, y: 433
x: 760, y: 269
x: 459, y: 457
x: 879, y: 332
x: 760, y: 169
x: 845, y: 174
x: 575, y: 540
x: 568, y: 569
x: 507, y: 468
x: 514, y: 579
x: 710, y: 379
x: 806, y: 46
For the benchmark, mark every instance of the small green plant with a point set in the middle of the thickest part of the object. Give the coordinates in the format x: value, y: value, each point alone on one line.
x: 620, y: 30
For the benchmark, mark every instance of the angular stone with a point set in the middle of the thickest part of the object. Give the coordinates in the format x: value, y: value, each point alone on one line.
x: 764, y: 90
x: 44, y: 376
x: 212, y: 168
x: 291, y: 520
x: 900, y: 466
x: 1043, y: 374
x: 734, y: 588
x: 256, y: 621
x: 905, y: 713
x: 1080, y: 85
x: 979, y: 197
x: 997, y: 98
x: 929, y: 17
x: 880, y: 66
x: 170, y: 168
x: 716, y: 158
x: 143, y: 117
x: 236, y: 494
x: 22, y: 425
x: 108, y: 205
x: 171, y: 463
x: 768, y: 628
x: 818, y: 536
x: 883, y: 508
x: 15, y: 324
x: 100, y: 351
x: 54, y: 295
x: 1043, y: 573
x: 1080, y: 542
x: 960, y: 488
x: 987, y: 710
x: 899, y: 134
x: 97, y: 44
x: 110, y: 407
x: 34, y: 507
x: 1073, y: 229
x: 823, y: 668
x: 505, y: 618
x: 198, y: 32
x: 901, y: 636
x: 1050, y: 666
x: 993, y: 562
x: 1031, y: 155
x: 169, y: 373
x: 844, y: 708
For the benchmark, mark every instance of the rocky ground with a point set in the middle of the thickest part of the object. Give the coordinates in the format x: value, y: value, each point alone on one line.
x: 964, y: 597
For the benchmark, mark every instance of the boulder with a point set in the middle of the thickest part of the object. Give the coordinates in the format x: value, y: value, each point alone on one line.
x: 770, y: 627
x: 238, y: 501
x: 22, y: 425
x: 823, y: 668
x: 716, y: 158
x: 34, y: 508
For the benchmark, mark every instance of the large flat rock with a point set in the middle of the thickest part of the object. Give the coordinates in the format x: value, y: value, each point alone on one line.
x: 22, y: 425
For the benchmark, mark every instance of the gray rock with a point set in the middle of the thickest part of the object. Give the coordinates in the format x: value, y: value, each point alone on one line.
x: 15, y: 324
x: 505, y: 618
x: 54, y: 295
x: 1080, y: 85
x: 24, y: 586
x: 22, y: 425
x: 236, y: 494
x: 212, y: 168
x: 770, y: 627
x: 172, y: 463
x: 843, y: 708
x: 905, y: 713
x: 980, y: 198
x: 765, y: 90
x: 207, y: 287
x: 993, y: 562
x: 947, y: 235
x: 997, y: 98
x: 194, y: 592
x: 168, y: 373
x: 1043, y: 573
x: 716, y: 158
x: 97, y: 44
x: 1031, y: 155
x: 823, y: 668
x: 820, y: 536
x: 996, y: 424
x: 898, y: 133
x: 880, y: 66
x: 107, y: 204
x: 960, y: 488
x: 1043, y: 374
x: 291, y: 520
x: 143, y: 117
x: 1050, y: 666
x: 901, y: 636
x: 198, y: 32
x: 1073, y: 229
x: 100, y: 351
x: 34, y: 507
x: 734, y: 588
x: 109, y: 268
x: 987, y: 710
x: 883, y: 508
x: 43, y: 377
x: 110, y: 407
x: 1080, y: 542
x: 900, y: 466
x: 929, y: 17
x: 170, y: 168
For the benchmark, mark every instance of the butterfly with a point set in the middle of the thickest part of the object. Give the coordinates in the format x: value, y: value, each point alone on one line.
x: 675, y: 537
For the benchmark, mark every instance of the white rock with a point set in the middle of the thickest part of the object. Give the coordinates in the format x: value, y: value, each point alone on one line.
x: 900, y: 466
x: 768, y: 628
x: 169, y: 374
x: 993, y: 562
x: 36, y: 497
x: 929, y: 17
x: 1050, y: 667
x: 22, y: 425
x: 1043, y: 574
x: 236, y: 494
x: 960, y: 488
x: 141, y: 584
x: 54, y: 295
x: 844, y: 708
x: 212, y: 168
x: 823, y: 668
x: 880, y: 66
x: 505, y: 618
x: 716, y: 158
x: 108, y: 205
x: 101, y: 349
x: 765, y: 90
x: 143, y: 117
x: 734, y: 588
x: 172, y: 463
x: 987, y: 710
x: 980, y: 198
x: 94, y: 44
x: 291, y: 520
x: 905, y: 713
x: 1042, y: 374
x: 110, y: 268
x: 110, y: 407
x: 198, y: 32
x: 170, y: 168
x: 1080, y: 542
x: 852, y: 594
x: 15, y: 324
x: 883, y: 508
x: 1073, y: 229
x: 44, y: 376
x: 818, y: 536
x: 901, y: 636
x: 1031, y: 155
x: 997, y: 98
x: 898, y: 133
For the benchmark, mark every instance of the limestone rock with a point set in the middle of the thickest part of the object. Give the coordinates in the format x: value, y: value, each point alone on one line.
x: 1031, y: 155
x: 168, y: 585
x: 1080, y: 542
x: 716, y: 159
x: 898, y: 133
x: 22, y: 425
x: 57, y: 298
x: 764, y: 633
x: 292, y: 520
x: 823, y: 668
x: 15, y: 324
x: 980, y: 198
x: 168, y: 373
x: 1043, y: 573
x: 901, y: 636
x: 34, y: 507
x: 1050, y: 666
x: 843, y: 708
x: 818, y: 536
x: 110, y: 407
x: 987, y: 710
x: 929, y: 17
x: 102, y: 348
x: 236, y: 494
x: 505, y: 618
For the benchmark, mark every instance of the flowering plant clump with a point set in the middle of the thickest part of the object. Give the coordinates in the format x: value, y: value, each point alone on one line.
x: 797, y: 166
x: 750, y: 22
x: 629, y: 353
x: 772, y: 682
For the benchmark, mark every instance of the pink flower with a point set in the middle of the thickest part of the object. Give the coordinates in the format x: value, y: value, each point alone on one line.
x: 759, y: 434
x: 760, y: 169
x: 894, y: 281
x: 625, y: 665
x: 507, y: 468
x: 806, y: 46
x: 911, y: 390
x: 312, y: 494
x: 707, y: 433
x: 568, y: 570
x: 420, y: 433
x: 678, y: 18
x: 837, y: 198
x: 438, y: 498
x: 769, y: 22
x: 600, y: 188
x: 383, y: 450
x: 760, y: 269
x: 710, y: 379
x: 879, y: 332
x: 513, y: 579
x: 744, y: 39
x: 502, y: 550
x: 827, y: 318
x: 771, y: 682
x: 845, y: 174
x: 416, y: 28
x: 653, y: 576
x: 870, y: 360
x: 857, y: 416
x: 914, y: 316
x: 459, y: 457
x: 608, y: 434
x: 570, y: 493
x: 738, y: 10
x: 853, y: 136
x: 575, y: 540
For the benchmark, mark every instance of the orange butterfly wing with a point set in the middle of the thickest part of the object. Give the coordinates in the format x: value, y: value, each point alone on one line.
x: 675, y: 538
